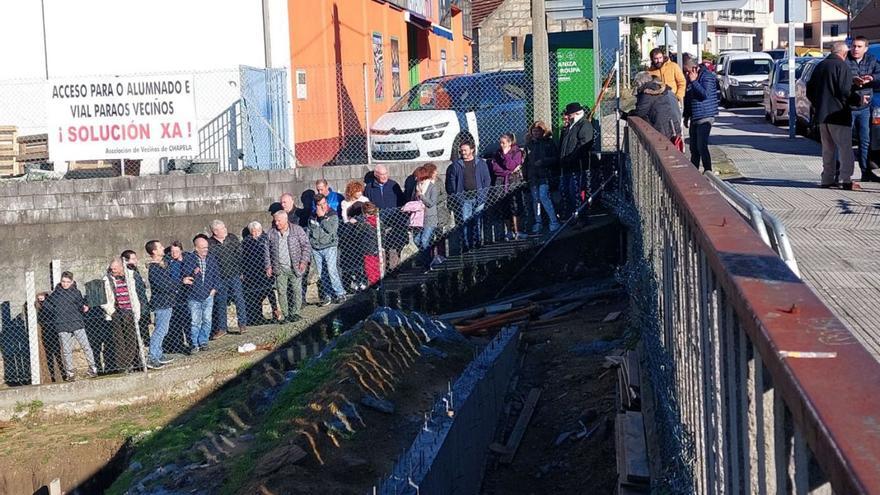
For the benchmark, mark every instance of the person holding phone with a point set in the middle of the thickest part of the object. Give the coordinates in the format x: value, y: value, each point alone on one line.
x: 866, y: 77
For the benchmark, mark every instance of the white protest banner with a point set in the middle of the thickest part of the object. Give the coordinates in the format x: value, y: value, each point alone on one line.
x: 129, y: 117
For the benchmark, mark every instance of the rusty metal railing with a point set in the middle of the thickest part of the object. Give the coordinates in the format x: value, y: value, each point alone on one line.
x: 775, y: 392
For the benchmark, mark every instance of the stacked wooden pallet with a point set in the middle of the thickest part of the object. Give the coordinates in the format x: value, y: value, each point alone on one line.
x: 629, y: 426
x: 9, y: 151
x: 33, y: 151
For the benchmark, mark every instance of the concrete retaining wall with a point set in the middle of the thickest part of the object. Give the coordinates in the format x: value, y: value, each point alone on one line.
x: 448, y: 455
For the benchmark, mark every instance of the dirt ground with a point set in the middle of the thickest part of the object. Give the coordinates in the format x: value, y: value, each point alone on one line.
x: 575, y: 386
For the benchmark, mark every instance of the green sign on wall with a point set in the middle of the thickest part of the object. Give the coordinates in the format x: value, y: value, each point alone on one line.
x: 571, y: 72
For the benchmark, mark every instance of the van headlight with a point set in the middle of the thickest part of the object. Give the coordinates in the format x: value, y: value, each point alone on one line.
x: 781, y: 93
x: 733, y: 82
x: 432, y: 135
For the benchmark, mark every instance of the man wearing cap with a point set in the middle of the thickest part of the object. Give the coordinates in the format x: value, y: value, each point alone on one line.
x: 574, y: 148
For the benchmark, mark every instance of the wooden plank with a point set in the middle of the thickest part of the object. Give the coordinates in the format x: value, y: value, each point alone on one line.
x: 636, y: 450
x: 522, y: 422
x: 565, y: 308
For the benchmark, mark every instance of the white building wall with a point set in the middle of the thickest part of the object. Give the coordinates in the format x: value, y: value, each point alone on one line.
x: 99, y: 37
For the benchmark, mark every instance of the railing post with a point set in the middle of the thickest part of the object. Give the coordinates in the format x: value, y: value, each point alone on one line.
x: 33, y: 335
x: 56, y: 273
x: 381, y: 250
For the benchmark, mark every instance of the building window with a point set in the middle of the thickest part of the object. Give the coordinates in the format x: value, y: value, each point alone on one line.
x: 835, y: 30
x: 446, y: 13
x: 808, y: 31
x: 513, y: 48
x: 301, y: 87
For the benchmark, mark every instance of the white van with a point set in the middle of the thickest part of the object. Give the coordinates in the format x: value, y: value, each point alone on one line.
x: 742, y: 77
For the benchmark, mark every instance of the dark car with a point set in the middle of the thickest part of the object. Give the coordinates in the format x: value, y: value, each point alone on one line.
x: 776, y: 54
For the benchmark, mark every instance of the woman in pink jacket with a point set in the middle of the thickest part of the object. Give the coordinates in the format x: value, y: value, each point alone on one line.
x: 507, y: 164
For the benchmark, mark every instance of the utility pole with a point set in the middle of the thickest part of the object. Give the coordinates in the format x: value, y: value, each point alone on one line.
x: 540, y: 64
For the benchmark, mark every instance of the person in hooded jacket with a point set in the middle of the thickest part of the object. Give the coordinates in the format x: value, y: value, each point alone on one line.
x: 540, y: 163
x: 656, y: 103
x: 507, y: 165
x: 65, y: 307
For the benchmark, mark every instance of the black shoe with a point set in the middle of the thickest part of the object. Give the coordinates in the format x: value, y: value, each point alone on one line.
x: 325, y: 302
x: 70, y: 378
x: 829, y: 186
x: 869, y: 176
x: 339, y: 299
x: 851, y: 186
x: 203, y: 348
x: 294, y: 318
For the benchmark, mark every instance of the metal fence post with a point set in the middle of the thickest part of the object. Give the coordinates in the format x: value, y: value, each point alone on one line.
x: 140, y: 342
x: 33, y: 338
x: 56, y: 273
x: 381, y: 258
x: 367, y: 118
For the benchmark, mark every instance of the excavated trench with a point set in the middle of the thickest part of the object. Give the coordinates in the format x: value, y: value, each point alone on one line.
x: 297, y: 422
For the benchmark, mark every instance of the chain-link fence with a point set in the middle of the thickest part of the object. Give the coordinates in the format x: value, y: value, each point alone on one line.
x: 167, y: 298
x: 338, y: 114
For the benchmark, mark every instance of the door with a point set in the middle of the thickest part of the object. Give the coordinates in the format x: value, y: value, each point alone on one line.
x: 412, y: 52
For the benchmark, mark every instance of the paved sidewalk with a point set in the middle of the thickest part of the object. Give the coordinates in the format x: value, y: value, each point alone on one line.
x: 835, y: 234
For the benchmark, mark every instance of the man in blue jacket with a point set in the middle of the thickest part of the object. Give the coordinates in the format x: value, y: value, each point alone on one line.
x: 700, y: 109
x: 467, y: 179
x: 866, y: 76
x: 201, y: 273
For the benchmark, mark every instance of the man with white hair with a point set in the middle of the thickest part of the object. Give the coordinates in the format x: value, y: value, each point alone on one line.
x: 286, y: 257
x: 258, y: 286
x: 227, y: 249
x: 387, y: 195
x: 829, y: 90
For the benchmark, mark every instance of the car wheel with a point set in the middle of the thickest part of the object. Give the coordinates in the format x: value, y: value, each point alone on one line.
x: 767, y: 116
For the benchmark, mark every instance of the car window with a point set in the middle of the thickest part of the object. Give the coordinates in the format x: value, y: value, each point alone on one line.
x: 783, y: 72
x: 749, y: 67
x: 437, y: 95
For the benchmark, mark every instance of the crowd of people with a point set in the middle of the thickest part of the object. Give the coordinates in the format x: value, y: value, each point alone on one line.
x: 185, y: 295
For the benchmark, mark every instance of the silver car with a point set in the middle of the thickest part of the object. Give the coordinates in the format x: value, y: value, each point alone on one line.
x: 776, y: 89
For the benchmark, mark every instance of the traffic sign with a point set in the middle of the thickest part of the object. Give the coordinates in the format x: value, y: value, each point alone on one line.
x: 786, y: 11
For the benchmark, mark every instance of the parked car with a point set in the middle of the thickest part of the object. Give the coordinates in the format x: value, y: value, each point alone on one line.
x: 776, y: 90
x: 803, y: 108
x: 742, y: 76
x: 431, y: 119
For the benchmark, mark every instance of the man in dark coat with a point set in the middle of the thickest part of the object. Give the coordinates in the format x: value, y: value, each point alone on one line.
x: 866, y: 77
x: 700, y: 109
x: 829, y: 90
x: 227, y: 249
x: 65, y: 307
x: 387, y: 195
x: 258, y: 286
x: 574, y: 149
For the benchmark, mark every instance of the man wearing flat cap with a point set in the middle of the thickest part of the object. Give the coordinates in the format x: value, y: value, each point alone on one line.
x: 574, y: 148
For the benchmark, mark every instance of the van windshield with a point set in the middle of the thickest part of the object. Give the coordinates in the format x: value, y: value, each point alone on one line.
x: 446, y: 95
x: 749, y: 67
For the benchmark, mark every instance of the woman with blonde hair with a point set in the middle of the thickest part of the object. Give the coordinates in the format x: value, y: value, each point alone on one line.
x: 541, y: 160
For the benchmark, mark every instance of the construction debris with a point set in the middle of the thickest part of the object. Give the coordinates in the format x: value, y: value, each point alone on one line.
x: 519, y: 429
x: 632, y: 452
x: 375, y: 403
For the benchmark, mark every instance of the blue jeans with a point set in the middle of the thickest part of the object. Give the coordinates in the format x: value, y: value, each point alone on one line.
x: 469, y: 218
x: 200, y: 315
x: 422, y: 238
x: 541, y: 196
x: 329, y: 278
x: 227, y: 286
x: 163, y: 322
x: 861, y: 123
x: 570, y: 186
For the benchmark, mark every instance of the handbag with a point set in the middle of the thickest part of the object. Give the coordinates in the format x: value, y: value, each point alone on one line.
x: 410, y: 249
x: 678, y: 142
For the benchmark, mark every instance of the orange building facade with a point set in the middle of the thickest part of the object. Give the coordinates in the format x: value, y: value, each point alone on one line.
x: 352, y: 59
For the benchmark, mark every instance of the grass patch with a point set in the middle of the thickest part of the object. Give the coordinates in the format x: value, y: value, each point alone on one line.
x: 30, y: 408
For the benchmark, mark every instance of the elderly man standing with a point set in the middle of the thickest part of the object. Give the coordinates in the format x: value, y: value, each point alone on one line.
x: 574, y: 149
x: 829, y: 90
x: 387, y: 195
x: 123, y: 309
x: 668, y: 72
x: 286, y: 257
x: 227, y: 249
x: 202, y: 274
x: 323, y: 227
x: 258, y: 286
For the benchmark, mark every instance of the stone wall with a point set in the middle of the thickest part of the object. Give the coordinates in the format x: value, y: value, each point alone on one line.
x: 84, y: 223
x: 512, y: 18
